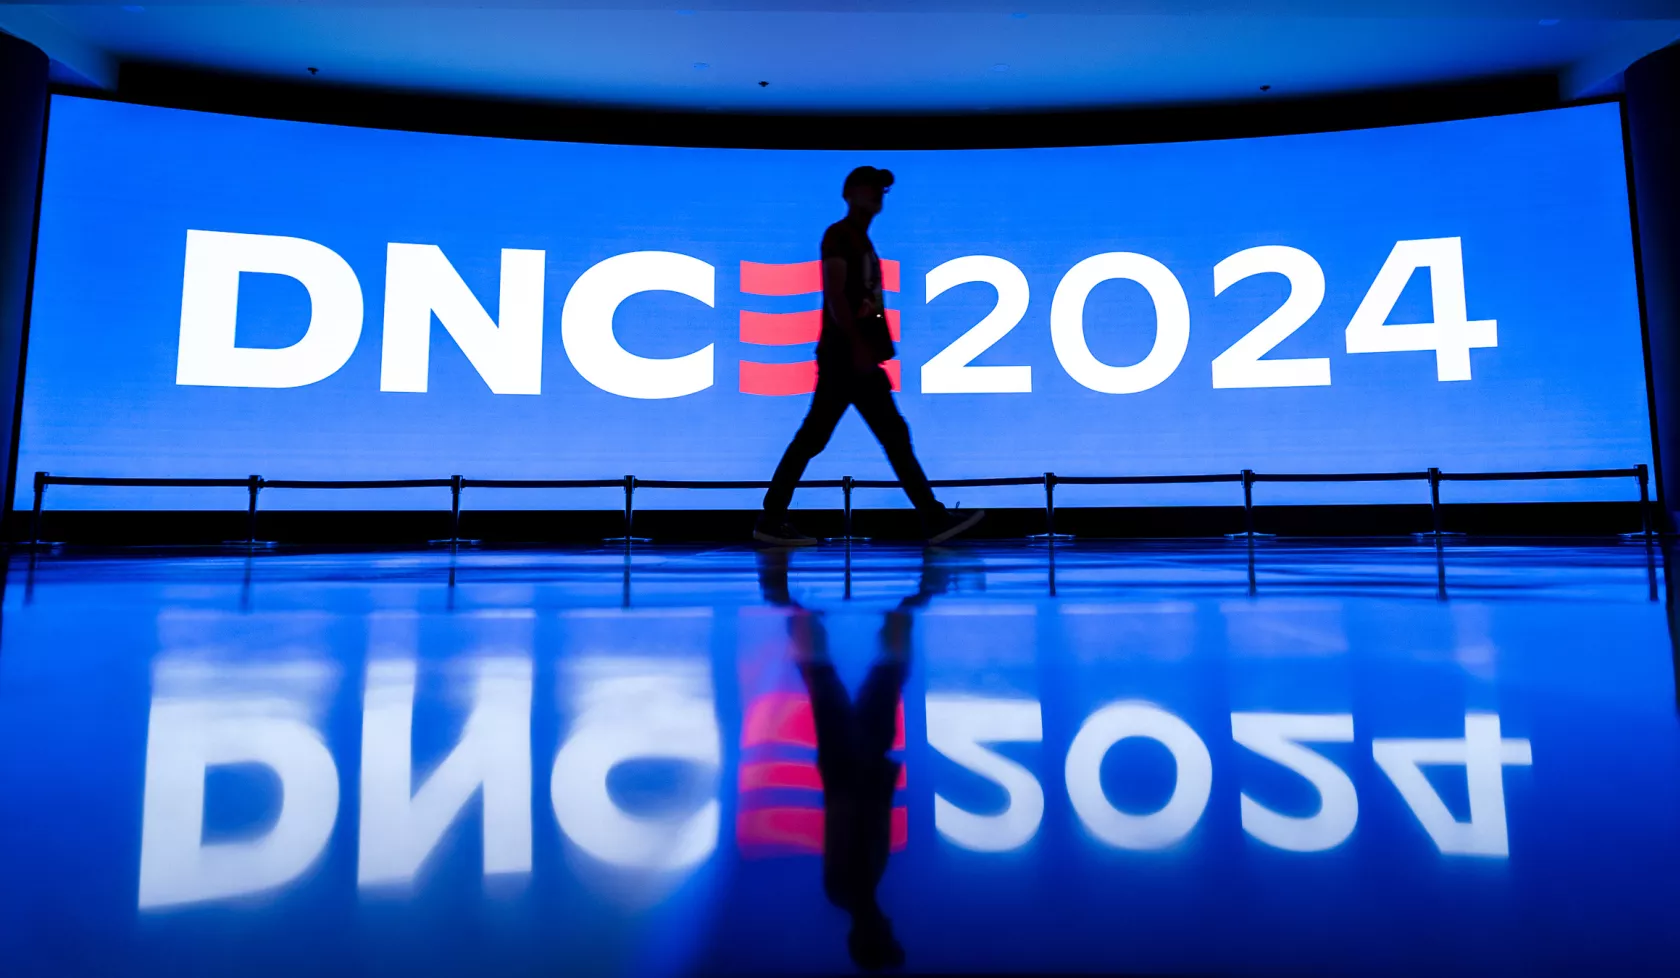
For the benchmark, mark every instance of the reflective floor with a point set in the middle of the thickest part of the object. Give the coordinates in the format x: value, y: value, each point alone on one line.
x: 1200, y: 758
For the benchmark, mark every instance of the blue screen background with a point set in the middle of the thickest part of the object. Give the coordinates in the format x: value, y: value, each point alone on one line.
x: 1539, y: 200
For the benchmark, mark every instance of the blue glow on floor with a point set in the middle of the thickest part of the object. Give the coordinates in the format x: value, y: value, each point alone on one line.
x: 1141, y: 759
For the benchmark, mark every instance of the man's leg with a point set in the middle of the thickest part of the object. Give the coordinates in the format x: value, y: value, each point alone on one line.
x: 875, y: 722
x: 831, y: 709
x: 827, y: 406
x: 874, y: 400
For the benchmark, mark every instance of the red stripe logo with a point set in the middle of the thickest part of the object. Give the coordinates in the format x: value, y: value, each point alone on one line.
x: 785, y: 379
x: 778, y: 379
x: 791, y: 328
x: 800, y: 278
x: 795, y: 328
x: 800, y: 830
x: 780, y: 328
x: 765, y: 827
x: 786, y: 718
x: 796, y: 775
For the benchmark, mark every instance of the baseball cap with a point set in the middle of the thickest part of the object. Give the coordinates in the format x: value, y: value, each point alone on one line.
x: 866, y: 176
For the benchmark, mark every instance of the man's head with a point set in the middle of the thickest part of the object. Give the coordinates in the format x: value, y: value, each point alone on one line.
x: 864, y: 188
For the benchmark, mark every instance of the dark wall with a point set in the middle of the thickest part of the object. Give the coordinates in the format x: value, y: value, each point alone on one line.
x: 23, y: 107
x: 1653, y: 113
x: 357, y: 106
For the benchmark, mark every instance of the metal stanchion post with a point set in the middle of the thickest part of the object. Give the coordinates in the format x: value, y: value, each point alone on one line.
x: 454, y: 509
x: 629, y: 515
x: 1248, y: 501
x: 35, y: 516
x: 253, y: 485
x: 1435, y: 497
x: 1644, y: 500
x: 456, y: 484
x: 846, y: 505
x: 1435, y: 509
x: 1249, y: 533
x: 1643, y: 474
x: 1050, y: 505
x: 847, y: 484
x: 1050, y: 513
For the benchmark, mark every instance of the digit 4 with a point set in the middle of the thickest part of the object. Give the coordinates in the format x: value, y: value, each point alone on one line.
x: 1452, y: 335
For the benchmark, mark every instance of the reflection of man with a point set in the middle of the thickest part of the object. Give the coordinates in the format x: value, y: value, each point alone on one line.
x: 853, y: 740
x: 854, y: 343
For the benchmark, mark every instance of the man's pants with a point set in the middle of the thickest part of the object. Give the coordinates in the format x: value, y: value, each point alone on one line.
x: 838, y: 388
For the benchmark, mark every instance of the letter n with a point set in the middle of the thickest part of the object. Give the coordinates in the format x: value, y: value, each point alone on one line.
x: 419, y: 281
x: 401, y: 825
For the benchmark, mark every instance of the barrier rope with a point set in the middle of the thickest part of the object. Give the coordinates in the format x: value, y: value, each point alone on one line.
x: 254, y: 484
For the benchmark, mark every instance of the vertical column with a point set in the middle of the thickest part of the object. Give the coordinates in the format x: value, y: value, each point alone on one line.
x: 1653, y: 115
x: 23, y: 108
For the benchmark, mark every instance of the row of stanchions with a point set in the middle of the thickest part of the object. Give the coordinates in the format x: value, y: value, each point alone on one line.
x: 1248, y: 478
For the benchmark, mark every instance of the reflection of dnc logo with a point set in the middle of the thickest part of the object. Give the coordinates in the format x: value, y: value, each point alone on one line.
x: 506, y: 349
x: 793, y: 328
x: 778, y: 776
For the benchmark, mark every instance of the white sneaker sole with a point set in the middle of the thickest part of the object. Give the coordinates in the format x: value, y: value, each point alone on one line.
x: 958, y: 528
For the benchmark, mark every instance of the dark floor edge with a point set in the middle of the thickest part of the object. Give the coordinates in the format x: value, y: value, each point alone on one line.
x: 416, y: 527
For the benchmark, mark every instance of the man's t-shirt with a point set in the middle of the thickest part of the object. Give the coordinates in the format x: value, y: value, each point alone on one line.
x: 863, y: 286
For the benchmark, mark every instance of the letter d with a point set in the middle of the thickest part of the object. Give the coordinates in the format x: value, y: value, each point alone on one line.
x: 210, y: 310
x: 186, y: 738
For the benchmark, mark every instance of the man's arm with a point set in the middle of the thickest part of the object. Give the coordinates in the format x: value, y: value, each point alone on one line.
x: 840, y: 310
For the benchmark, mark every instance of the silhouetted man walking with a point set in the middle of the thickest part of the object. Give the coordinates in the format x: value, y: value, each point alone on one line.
x: 854, y: 344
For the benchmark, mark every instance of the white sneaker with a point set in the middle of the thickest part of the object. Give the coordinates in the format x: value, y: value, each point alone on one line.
x: 955, y: 522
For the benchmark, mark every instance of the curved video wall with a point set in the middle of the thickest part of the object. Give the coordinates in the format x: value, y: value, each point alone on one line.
x: 217, y: 295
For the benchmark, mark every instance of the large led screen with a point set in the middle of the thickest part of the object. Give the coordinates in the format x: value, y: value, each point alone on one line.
x: 221, y: 296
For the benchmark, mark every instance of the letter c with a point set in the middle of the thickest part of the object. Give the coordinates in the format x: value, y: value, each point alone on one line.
x: 636, y: 717
x: 587, y: 333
